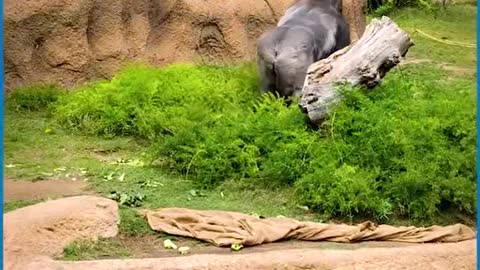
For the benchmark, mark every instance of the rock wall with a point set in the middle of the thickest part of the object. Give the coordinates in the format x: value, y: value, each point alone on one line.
x: 73, y: 41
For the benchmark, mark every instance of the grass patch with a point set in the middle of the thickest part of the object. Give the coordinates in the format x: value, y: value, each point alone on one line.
x: 457, y: 23
x: 384, y: 7
x: 35, y: 97
x: 94, y: 250
x: 14, y: 205
x: 133, y: 224
x: 36, y: 146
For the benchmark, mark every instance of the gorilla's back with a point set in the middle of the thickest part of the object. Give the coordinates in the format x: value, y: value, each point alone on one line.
x: 319, y: 19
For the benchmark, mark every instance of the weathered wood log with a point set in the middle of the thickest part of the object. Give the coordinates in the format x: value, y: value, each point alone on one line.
x: 363, y: 63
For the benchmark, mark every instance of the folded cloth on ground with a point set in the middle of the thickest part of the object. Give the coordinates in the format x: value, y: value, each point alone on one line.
x: 223, y: 228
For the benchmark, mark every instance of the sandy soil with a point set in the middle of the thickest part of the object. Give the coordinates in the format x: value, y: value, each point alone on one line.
x: 152, y: 247
x: 422, y: 256
x: 149, y: 253
x: 26, y: 190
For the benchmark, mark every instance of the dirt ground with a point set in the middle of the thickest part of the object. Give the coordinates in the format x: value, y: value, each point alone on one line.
x: 288, y: 254
x: 152, y: 247
x: 421, y: 256
x: 25, y: 190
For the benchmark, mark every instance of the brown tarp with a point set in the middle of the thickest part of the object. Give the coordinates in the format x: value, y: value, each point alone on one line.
x: 223, y: 228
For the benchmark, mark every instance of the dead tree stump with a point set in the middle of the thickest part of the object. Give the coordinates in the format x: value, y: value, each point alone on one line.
x: 363, y: 63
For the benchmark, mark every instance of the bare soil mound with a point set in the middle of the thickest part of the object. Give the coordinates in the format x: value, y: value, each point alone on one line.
x: 36, y: 234
x: 45, y: 228
x: 428, y: 256
x: 72, y: 41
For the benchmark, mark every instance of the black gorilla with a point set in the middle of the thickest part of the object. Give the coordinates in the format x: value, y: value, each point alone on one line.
x: 309, y: 31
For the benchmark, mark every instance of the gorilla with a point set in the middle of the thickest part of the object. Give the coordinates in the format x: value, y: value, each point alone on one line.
x: 309, y: 31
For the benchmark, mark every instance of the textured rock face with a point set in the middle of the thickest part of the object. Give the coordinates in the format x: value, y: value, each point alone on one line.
x: 73, y: 41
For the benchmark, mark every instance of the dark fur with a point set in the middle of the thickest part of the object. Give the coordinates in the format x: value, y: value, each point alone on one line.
x: 309, y: 31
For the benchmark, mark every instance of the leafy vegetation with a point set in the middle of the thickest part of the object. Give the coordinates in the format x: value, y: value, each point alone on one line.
x: 153, y: 103
x: 94, y: 250
x: 130, y: 198
x: 200, y: 137
x: 406, y: 149
x: 380, y: 8
x: 35, y: 97
x: 132, y: 223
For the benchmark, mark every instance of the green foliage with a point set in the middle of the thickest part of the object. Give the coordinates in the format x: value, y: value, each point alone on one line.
x: 383, y: 9
x: 133, y: 199
x: 242, y: 144
x: 457, y: 23
x: 406, y: 149
x: 132, y: 223
x: 152, y: 103
x: 93, y: 250
x: 345, y: 191
x: 380, y: 8
x: 14, y: 205
x: 409, y: 147
x: 34, y: 98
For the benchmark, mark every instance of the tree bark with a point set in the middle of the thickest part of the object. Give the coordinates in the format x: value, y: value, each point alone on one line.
x: 363, y: 63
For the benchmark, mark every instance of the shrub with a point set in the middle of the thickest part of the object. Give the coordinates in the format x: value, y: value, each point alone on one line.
x: 344, y: 191
x: 266, y: 141
x: 411, y: 144
x: 148, y: 102
x: 407, y: 148
x: 34, y: 97
x: 204, y: 122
